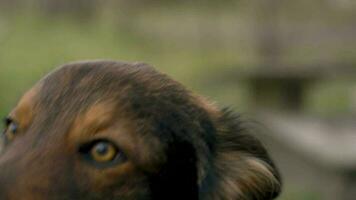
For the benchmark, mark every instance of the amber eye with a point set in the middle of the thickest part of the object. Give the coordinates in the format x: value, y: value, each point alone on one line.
x: 11, y: 128
x: 103, y: 151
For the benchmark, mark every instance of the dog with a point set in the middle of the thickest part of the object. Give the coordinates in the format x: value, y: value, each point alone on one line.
x: 110, y: 130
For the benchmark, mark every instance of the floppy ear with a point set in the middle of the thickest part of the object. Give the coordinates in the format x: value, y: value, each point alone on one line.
x: 177, y: 179
x: 242, y: 169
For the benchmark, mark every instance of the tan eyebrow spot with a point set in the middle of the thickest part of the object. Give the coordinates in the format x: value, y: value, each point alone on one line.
x: 99, y: 118
x: 24, y: 111
x: 95, y: 118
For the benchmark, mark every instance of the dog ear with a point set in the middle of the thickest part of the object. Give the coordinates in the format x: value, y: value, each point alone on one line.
x: 177, y: 179
x: 177, y: 176
x: 242, y: 168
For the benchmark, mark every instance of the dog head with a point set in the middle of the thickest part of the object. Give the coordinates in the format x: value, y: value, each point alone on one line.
x: 119, y: 131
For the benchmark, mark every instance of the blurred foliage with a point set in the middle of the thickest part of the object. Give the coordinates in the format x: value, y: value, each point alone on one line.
x: 191, y: 40
x: 301, y: 195
x: 32, y: 45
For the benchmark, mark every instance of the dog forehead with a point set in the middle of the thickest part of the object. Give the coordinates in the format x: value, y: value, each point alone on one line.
x: 79, y: 85
x: 102, y: 77
x: 84, y: 83
x: 97, y: 70
x: 136, y: 89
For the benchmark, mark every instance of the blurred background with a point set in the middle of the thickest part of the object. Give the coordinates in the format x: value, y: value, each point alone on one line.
x: 289, y: 65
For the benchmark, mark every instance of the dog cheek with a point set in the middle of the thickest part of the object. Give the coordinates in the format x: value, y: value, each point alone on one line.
x: 36, y: 180
x: 123, y: 182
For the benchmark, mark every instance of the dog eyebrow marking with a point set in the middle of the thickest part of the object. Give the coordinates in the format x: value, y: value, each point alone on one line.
x: 97, y: 117
x: 24, y: 111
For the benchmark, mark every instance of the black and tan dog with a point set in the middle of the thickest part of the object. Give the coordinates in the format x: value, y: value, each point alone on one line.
x: 109, y: 130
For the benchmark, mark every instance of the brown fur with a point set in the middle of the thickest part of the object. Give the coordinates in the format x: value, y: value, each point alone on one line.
x: 176, y: 145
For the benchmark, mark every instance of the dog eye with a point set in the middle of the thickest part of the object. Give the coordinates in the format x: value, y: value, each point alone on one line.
x: 11, y: 128
x: 102, y: 153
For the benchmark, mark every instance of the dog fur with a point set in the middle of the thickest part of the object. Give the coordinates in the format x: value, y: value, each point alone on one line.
x: 177, y: 144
